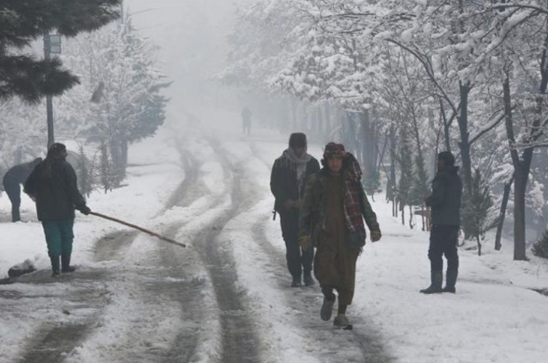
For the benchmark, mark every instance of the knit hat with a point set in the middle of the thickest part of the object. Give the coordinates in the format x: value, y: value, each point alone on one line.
x: 297, y: 139
x: 447, y: 157
x: 334, y: 150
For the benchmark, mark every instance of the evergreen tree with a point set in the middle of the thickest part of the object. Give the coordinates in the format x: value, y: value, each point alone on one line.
x: 405, y: 184
x: 372, y: 183
x: 21, y: 22
x: 540, y: 248
x: 475, y: 208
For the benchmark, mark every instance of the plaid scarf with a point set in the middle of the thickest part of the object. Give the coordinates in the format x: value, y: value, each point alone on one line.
x: 352, y: 203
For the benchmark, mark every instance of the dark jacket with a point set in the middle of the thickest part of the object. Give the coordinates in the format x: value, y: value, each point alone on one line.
x: 53, y: 185
x: 314, y: 211
x: 19, y: 173
x: 283, y: 180
x: 445, y: 200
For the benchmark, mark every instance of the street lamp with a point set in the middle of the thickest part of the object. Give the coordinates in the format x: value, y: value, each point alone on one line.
x: 52, y: 45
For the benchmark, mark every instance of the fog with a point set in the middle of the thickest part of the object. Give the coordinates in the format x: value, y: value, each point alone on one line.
x: 191, y: 36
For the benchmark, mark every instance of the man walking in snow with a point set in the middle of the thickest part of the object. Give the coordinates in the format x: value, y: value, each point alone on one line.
x: 246, y: 120
x: 332, y: 220
x: 53, y: 186
x: 12, y: 181
x: 287, y: 182
x: 445, y: 202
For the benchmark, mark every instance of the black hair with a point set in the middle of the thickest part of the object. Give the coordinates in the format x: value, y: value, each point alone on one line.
x: 297, y: 139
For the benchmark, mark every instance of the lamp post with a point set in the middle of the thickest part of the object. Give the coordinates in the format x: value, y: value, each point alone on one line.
x: 52, y: 45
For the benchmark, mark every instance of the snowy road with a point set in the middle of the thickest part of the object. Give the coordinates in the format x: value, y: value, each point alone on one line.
x: 227, y: 298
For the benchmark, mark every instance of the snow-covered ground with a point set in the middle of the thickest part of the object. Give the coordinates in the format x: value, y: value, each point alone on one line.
x: 129, y: 299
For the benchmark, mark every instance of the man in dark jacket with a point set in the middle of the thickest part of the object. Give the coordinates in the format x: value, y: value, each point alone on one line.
x: 12, y: 181
x: 287, y: 182
x: 53, y: 186
x: 445, y: 202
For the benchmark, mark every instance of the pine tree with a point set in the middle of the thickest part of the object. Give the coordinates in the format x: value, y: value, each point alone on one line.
x: 540, y: 248
x: 405, y: 184
x: 475, y: 209
x: 21, y: 22
x: 372, y: 183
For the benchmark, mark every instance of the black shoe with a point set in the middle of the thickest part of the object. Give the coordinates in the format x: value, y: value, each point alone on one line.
x: 309, y: 280
x: 296, y: 282
x: 65, y: 263
x: 451, y: 281
x: 327, y: 309
x: 435, y: 286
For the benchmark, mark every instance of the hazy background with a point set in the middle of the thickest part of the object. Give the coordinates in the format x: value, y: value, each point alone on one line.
x: 191, y: 36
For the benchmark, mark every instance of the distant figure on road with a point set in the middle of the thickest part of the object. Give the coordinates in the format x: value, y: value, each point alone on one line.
x: 246, y: 120
x: 445, y: 202
x: 332, y: 220
x: 12, y: 181
x: 53, y: 186
x: 287, y: 182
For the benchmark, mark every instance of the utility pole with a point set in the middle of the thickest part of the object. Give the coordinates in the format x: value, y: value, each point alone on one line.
x: 52, y: 45
x: 49, y: 98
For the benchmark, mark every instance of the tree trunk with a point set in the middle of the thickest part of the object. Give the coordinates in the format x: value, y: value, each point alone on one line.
x: 502, y: 213
x: 295, y: 122
x: 411, y: 225
x: 464, y: 143
x: 521, y: 173
x: 520, y: 187
x: 327, y: 113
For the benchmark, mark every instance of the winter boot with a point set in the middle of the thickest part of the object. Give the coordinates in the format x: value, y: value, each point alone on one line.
x: 435, y: 286
x: 296, y: 282
x: 308, y: 279
x: 65, y: 264
x: 55, y: 266
x: 451, y: 282
x: 342, y: 322
x: 327, y: 309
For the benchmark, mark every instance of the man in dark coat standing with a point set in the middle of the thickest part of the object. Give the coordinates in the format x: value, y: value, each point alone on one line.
x: 53, y: 186
x: 14, y: 177
x: 445, y: 202
x: 287, y: 182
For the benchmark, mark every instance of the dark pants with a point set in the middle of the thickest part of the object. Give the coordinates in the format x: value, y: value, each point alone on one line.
x: 59, y: 237
x: 13, y: 190
x: 443, y: 241
x: 297, y: 260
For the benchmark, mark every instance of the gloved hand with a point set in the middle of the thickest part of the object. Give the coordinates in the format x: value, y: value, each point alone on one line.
x: 375, y: 236
x: 85, y: 210
x: 305, y: 242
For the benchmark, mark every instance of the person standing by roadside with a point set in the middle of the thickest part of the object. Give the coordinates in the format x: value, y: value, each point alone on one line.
x: 287, y: 182
x: 445, y: 202
x: 12, y: 181
x: 332, y: 220
x: 54, y: 188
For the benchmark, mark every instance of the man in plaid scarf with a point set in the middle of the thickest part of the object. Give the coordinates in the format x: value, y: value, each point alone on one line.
x: 332, y: 220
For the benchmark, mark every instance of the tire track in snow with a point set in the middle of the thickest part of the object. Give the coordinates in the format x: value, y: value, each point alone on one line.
x: 240, y: 343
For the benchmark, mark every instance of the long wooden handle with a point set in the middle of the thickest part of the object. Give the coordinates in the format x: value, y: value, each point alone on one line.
x: 138, y: 228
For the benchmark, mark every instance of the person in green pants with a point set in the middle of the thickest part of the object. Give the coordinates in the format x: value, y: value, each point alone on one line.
x: 53, y: 186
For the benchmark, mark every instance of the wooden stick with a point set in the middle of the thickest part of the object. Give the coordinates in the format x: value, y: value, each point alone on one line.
x: 138, y: 228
